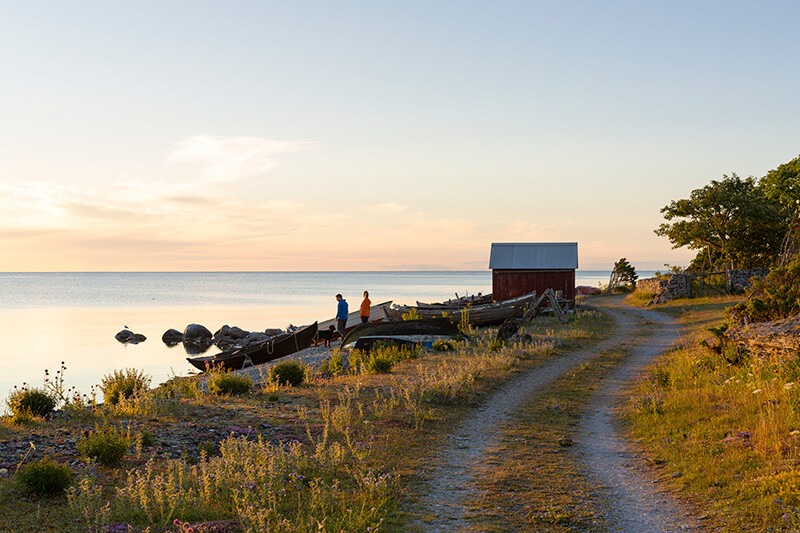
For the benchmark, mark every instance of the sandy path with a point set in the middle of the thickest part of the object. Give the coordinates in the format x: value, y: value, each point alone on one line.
x: 631, y: 501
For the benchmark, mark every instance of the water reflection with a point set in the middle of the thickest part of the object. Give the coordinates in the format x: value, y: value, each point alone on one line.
x: 193, y: 347
x: 197, y: 347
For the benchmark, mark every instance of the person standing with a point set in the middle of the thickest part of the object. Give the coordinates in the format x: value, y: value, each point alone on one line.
x: 341, y: 315
x: 365, y: 308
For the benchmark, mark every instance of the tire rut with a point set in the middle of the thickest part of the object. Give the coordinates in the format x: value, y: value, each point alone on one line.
x: 633, y: 502
x: 451, y: 483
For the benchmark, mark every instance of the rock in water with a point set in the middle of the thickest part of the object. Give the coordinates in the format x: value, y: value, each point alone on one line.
x: 126, y: 336
x: 123, y: 335
x: 172, y: 336
x: 195, y: 332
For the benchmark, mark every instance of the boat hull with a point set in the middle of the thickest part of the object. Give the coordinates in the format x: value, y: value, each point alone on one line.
x: 280, y: 346
x: 425, y: 326
x: 481, y: 315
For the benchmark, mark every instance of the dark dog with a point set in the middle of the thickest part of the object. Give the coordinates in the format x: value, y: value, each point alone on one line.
x: 326, y: 335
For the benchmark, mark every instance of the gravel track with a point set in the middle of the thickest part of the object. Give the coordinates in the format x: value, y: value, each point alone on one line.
x: 632, y: 501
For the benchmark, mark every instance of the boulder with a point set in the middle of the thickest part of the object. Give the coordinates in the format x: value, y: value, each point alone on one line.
x: 222, y: 332
x: 126, y: 336
x: 172, y: 337
x: 123, y: 335
x: 238, y: 333
x: 779, y: 337
x: 196, y: 332
x: 271, y: 332
x: 256, y: 337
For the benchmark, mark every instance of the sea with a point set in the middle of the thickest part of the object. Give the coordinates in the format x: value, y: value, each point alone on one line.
x: 50, y: 320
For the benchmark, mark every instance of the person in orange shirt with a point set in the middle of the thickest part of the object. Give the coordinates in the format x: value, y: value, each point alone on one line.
x: 365, y: 308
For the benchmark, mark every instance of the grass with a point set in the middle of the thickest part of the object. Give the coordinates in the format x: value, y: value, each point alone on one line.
x: 726, y: 436
x: 335, y: 453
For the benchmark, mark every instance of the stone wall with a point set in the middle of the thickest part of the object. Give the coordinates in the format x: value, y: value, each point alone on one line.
x: 680, y: 285
x: 653, y: 285
x: 740, y: 279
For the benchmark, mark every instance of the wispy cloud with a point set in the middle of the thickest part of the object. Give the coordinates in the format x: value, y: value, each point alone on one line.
x: 230, y: 158
x: 388, y: 207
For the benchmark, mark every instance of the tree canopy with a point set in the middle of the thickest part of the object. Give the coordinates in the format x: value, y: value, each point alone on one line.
x: 731, y: 222
x: 783, y: 184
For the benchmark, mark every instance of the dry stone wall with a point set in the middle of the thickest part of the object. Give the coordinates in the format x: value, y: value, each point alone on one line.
x: 740, y: 279
x: 653, y: 285
x: 680, y: 285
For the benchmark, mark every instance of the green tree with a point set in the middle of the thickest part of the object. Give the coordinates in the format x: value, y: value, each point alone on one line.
x: 783, y: 184
x: 732, y: 223
x: 623, y: 276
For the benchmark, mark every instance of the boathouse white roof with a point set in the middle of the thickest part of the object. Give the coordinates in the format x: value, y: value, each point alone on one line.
x: 534, y: 256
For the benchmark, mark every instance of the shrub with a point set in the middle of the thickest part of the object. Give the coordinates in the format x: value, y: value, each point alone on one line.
x: 441, y: 345
x: 34, y: 402
x: 288, y: 372
x: 45, y: 477
x: 495, y: 346
x: 223, y: 382
x: 379, y: 363
x: 776, y: 297
x: 395, y: 353
x: 22, y: 418
x: 334, y: 363
x: 106, y: 445
x: 124, y: 384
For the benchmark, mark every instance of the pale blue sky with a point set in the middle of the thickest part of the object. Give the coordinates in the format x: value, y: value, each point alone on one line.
x: 374, y: 135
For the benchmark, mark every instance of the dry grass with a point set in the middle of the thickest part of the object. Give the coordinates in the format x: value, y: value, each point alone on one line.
x: 726, y: 436
x: 336, y: 453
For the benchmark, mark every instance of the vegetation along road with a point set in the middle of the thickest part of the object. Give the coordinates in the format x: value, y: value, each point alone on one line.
x: 597, y: 481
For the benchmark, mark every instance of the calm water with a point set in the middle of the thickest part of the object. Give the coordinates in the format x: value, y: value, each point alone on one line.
x: 46, y: 318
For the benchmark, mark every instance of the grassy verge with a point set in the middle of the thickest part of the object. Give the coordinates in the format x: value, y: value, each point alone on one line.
x: 336, y: 453
x: 726, y: 434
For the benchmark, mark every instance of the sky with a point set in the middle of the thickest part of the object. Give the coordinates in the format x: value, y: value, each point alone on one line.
x: 371, y: 135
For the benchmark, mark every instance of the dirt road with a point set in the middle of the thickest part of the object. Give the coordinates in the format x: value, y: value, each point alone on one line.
x: 631, y: 501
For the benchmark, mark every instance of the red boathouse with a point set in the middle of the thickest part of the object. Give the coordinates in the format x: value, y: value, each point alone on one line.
x: 521, y: 268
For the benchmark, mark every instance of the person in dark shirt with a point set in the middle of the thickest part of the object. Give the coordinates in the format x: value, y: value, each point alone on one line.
x: 341, y: 315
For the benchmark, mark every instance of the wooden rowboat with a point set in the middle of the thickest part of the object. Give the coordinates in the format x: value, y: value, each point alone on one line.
x: 426, y: 326
x: 479, y: 315
x: 275, y: 348
x: 459, y: 303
